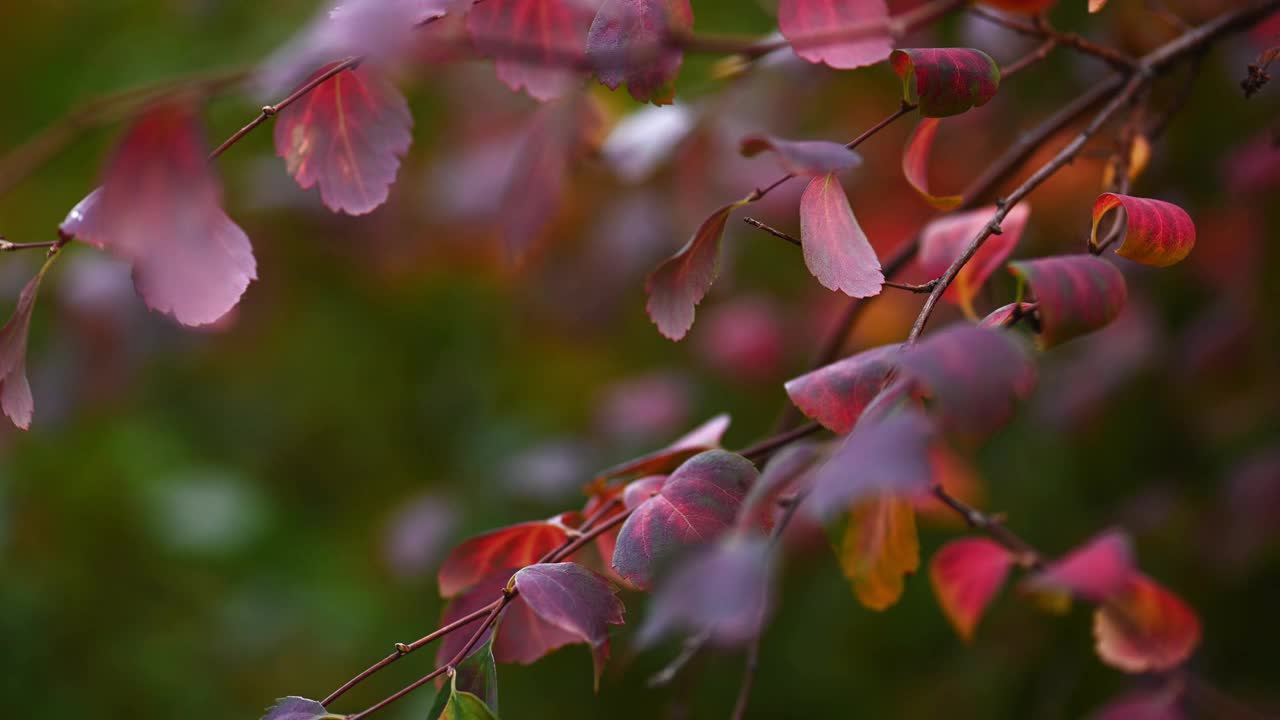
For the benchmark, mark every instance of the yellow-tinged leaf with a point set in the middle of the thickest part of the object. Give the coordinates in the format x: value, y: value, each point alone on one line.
x: 879, y: 548
x: 1139, y: 157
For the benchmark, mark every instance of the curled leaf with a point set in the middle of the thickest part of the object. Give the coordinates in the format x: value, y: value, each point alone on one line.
x: 966, y: 575
x: 1074, y: 294
x: 627, y: 43
x: 1157, y: 233
x: 879, y: 549
x: 945, y: 239
x: 677, y: 285
x: 946, y: 81
x: 159, y: 207
x: 1145, y: 628
x: 836, y: 250
x: 575, y: 600
x: 803, y: 157
x: 347, y: 137
x: 698, y: 503
x: 844, y: 34
x: 835, y: 395
x: 915, y: 164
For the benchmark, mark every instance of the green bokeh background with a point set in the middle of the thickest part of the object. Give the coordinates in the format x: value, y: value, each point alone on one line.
x: 206, y: 531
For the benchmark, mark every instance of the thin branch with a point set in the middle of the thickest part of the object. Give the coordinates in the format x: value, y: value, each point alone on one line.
x: 921, y: 288
x: 1042, y: 29
x: 755, y: 223
x: 6, y: 246
x: 1031, y: 58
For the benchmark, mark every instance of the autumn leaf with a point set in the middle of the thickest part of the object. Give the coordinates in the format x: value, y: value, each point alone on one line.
x: 835, y: 395
x: 946, y: 81
x: 677, y: 286
x: 789, y: 470
x: 1074, y: 294
x: 696, y: 504
x: 521, y: 636
x: 15, y: 391
x: 298, y: 708
x: 966, y: 575
x: 1156, y: 232
x: 507, y: 548
x: 574, y: 600
x: 879, y: 548
x: 887, y: 455
x: 535, y: 43
x: 159, y: 208
x: 628, y: 42
x: 836, y: 251
x: 1143, y: 627
x: 844, y: 34
x: 347, y: 137
x: 1095, y: 571
x: 802, y: 157
x: 723, y: 591
x: 915, y: 164
x: 945, y: 239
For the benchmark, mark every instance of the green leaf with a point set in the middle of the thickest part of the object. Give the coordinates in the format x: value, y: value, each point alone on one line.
x: 473, y: 689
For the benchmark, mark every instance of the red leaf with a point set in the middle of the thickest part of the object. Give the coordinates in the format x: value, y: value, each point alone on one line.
x: 159, y: 208
x: 522, y: 636
x: 677, y: 286
x: 835, y: 395
x: 974, y: 377
x: 507, y: 548
x: 882, y: 455
x: 1075, y: 294
x: 1004, y: 315
x: 844, y: 34
x: 724, y: 591
x: 1095, y: 571
x: 626, y: 44
x: 347, y: 136
x: 836, y: 250
x: 803, y: 157
x: 574, y: 600
x: 1145, y: 628
x: 15, y: 391
x: 880, y: 547
x: 966, y: 575
x: 533, y: 193
x: 1156, y: 232
x: 535, y: 42
x: 946, y: 81
x: 944, y: 239
x: 706, y: 436
x: 696, y: 504
x: 915, y: 164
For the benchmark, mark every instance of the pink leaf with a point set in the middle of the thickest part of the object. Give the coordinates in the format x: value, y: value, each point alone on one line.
x: 915, y: 164
x: 946, y: 81
x: 628, y: 43
x: 944, y: 239
x: 15, y: 391
x: 159, y: 208
x: 677, y: 286
x: 697, y: 503
x: 536, y: 43
x: 1156, y: 232
x: 803, y: 157
x: 835, y: 395
x: 1094, y: 571
x: 966, y: 575
x: 836, y: 250
x: 844, y: 34
x: 1074, y: 294
x: 346, y: 136
x: 574, y: 600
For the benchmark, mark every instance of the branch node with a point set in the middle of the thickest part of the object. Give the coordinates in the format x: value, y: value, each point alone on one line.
x: 403, y: 649
x: 269, y: 110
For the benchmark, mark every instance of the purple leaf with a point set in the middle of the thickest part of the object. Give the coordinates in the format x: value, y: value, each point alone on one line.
x: 297, y: 708
x: 628, y: 43
x: 535, y: 43
x: 724, y: 591
x: 788, y: 471
x: 887, y: 455
x: 696, y: 504
x: 15, y: 391
x: 803, y: 157
x: 574, y: 600
x: 159, y: 208
x: 836, y: 250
